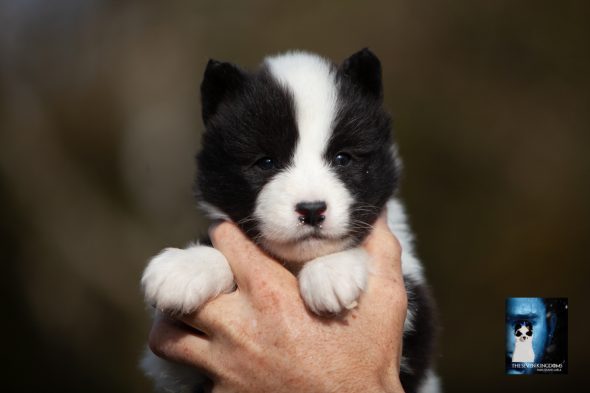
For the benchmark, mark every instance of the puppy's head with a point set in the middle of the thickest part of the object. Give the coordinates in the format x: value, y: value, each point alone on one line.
x: 298, y: 153
x: 523, y: 331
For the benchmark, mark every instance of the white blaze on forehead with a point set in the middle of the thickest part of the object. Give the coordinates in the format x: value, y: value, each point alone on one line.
x: 524, y: 329
x: 311, y: 81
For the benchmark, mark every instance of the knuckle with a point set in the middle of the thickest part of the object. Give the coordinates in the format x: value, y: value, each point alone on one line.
x: 160, y: 339
x: 220, y: 231
x: 391, y: 242
x: 155, y: 343
x: 386, y: 245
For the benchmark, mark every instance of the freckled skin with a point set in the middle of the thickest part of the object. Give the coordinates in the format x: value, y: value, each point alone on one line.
x: 295, y: 350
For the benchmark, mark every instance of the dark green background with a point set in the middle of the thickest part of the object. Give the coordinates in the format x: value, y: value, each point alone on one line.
x: 99, y: 122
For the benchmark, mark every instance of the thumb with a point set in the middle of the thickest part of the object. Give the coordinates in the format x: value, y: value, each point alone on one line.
x: 384, y: 248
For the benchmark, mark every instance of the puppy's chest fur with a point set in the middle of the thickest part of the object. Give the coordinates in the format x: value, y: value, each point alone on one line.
x: 523, y: 351
x: 300, y: 155
x: 523, y: 343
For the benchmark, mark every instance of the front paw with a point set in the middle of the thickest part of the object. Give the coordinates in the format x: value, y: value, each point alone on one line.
x: 181, y: 280
x: 334, y: 282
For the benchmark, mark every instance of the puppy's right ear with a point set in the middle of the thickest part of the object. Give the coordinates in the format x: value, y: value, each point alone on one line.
x: 364, y: 69
x: 220, y: 81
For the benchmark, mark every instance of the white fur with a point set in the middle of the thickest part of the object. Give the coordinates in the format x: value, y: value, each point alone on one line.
x: 431, y: 383
x: 409, y: 321
x: 181, y: 280
x: 333, y: 283
x: 282, y: 232
x: 397, y: 221
x: 311, y: 81
x: 404, y: 364
x: 331, y: 279
x: 214, y: 213
x: 523, y: 347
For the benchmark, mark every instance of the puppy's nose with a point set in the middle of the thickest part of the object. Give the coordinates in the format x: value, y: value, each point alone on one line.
x: 311, y: 213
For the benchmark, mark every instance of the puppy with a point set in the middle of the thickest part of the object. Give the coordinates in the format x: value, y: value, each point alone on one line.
x: 523, y: 343
x: 299, y: 154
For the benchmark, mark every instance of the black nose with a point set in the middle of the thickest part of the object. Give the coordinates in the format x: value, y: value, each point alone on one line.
x: 311, y: 213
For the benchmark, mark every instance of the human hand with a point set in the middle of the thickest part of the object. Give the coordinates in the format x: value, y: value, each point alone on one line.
x: 261, y: 338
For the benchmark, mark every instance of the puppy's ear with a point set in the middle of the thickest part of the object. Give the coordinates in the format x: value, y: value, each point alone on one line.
x: 364, y: 70
x: 220, y: 81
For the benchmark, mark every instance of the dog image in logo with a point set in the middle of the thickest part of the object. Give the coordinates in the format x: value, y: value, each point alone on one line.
x: 523, y: 343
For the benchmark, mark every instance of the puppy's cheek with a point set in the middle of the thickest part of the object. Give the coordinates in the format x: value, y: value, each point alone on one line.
x: 275, y: 207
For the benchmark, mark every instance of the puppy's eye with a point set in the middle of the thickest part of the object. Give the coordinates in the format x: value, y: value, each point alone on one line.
x: 342, y: 159
x: 529, y: 333
x: 518, y: 334
x: 265, y: 163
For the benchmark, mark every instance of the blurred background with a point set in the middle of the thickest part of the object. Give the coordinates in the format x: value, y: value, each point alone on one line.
x: 100, y: 121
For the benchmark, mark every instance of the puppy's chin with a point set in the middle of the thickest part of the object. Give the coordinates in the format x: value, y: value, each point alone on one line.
x: 304, y: 250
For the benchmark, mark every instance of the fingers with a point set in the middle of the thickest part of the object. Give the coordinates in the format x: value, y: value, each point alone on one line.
x: 214, y: 317
x: 172, y: 340
x: 255, y: 274
x: 252, y: 268
x: 387, y: 277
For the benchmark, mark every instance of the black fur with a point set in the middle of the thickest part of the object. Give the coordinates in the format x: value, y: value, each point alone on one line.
x: 363, y: 129
x: 220, y: 82
x: 256, y: 121
x: 418, y: 343
x: 364, y: 70
x: 520, y: 324
x: 249, y: 116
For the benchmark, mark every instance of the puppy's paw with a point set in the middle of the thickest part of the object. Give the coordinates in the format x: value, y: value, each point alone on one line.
x: 334, y: 282
x: 179, y: 281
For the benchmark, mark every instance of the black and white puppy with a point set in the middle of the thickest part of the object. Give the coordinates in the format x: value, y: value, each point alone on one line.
x: 523, y: 342
x: 299, y: 154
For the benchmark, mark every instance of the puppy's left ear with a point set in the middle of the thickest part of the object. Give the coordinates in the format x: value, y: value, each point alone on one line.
x: 364, y: 70
x: 220, y: 81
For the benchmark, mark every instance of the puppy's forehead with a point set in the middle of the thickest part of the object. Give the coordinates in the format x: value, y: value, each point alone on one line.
x: 311, y: 81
